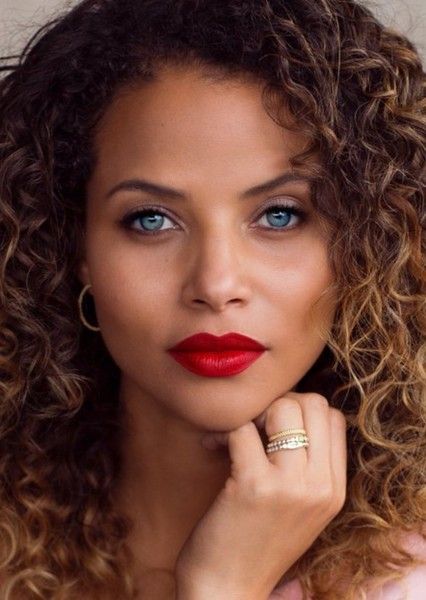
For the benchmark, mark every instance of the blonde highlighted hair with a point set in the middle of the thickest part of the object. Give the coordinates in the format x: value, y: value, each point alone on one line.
x: 357, y: 89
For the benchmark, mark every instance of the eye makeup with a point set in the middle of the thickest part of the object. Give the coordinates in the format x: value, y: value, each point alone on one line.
x: 151, y: 213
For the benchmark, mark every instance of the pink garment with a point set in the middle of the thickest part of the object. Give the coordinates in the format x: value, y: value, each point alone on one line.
x: 411, y: 587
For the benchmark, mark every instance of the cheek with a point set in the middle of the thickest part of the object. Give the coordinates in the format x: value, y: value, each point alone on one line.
x: 132, y: 294
x: 132, y: 315
x: 134, y: 307
x: 308, y: 296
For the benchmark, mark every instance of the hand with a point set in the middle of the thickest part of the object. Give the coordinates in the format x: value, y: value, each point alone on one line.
x: 272, y: 507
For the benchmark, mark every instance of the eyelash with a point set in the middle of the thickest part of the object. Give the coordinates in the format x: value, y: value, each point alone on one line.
x: 128, y: 219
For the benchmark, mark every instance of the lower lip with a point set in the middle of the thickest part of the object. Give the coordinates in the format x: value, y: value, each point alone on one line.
x: 216, y: 364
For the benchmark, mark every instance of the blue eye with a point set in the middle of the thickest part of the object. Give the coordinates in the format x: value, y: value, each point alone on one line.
x: 280, y: 216
x: 152, y: 219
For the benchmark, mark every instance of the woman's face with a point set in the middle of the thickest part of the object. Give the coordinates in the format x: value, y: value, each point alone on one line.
x: 220, y: 261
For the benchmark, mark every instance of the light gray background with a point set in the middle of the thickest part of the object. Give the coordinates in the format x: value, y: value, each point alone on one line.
x: 20, y: 18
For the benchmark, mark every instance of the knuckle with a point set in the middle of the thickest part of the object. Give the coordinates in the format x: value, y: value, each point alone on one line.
x: 328, y: 500
x: 315, y: 497
x: 335, y: 505
x: 258, y: 490
x: 339, y: 502
x: 240, y: 433
x: 340, y: 495
x: 322, y: 494
x: 318, y: 401
x: 338, y: 417
x: 285, y: 403
x: 297, y: 492
x: 279, y: 406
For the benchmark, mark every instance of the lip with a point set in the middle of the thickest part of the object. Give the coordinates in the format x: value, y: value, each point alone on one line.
x: 207, y: 342
x: 217, y: 356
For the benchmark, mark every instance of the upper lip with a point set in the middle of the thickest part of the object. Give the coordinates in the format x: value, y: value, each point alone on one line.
x: 209, y: 342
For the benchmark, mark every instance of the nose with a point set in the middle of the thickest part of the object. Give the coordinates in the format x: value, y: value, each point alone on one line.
x: 217, y: 273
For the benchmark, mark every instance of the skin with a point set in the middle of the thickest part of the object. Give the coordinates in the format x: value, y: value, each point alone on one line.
x: 214, y: 268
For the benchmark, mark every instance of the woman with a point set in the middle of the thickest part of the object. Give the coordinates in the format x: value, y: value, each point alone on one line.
x: 212, y: 294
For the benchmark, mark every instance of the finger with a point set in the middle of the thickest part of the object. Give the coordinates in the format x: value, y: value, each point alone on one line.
x: 260, y: 419
x: 338, y: 451
x: 244, y: 444
x: 316, y: 416
x: 286, y: 413
x: 246, y: 450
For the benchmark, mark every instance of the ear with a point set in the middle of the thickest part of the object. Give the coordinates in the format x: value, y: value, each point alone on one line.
x: 83, y: 272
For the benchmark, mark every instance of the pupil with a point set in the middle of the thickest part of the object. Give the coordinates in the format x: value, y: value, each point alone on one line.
x: 277, y: 217
x: 151, y: 221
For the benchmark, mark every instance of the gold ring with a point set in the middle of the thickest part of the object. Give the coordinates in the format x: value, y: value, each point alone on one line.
x: 286, y: 432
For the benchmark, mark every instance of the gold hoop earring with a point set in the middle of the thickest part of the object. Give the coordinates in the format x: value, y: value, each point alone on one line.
x: 80, y: 307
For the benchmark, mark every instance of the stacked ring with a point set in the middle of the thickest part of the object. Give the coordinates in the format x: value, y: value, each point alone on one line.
x: 286, y: 432
x: 287, y: 439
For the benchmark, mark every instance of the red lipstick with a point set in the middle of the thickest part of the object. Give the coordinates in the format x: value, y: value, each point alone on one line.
x: 213, y: 356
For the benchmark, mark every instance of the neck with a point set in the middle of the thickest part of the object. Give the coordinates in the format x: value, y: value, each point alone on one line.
x: 167, y: 480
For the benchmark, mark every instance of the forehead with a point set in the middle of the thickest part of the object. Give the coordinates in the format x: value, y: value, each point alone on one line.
x: 181, y: 109
x: 192, y: 132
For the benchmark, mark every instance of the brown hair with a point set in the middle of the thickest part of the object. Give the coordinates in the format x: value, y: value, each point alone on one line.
x: 357, y: 88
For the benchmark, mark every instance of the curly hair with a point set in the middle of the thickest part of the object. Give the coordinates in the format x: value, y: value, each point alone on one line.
x: 357, y: 89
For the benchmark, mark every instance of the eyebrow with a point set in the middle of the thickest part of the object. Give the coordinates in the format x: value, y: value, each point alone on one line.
x: 166, y: 192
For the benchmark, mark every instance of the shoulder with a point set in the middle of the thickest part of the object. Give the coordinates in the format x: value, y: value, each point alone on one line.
x: 413, y: 584
x: 410, y: 587
x: 287, y: 591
